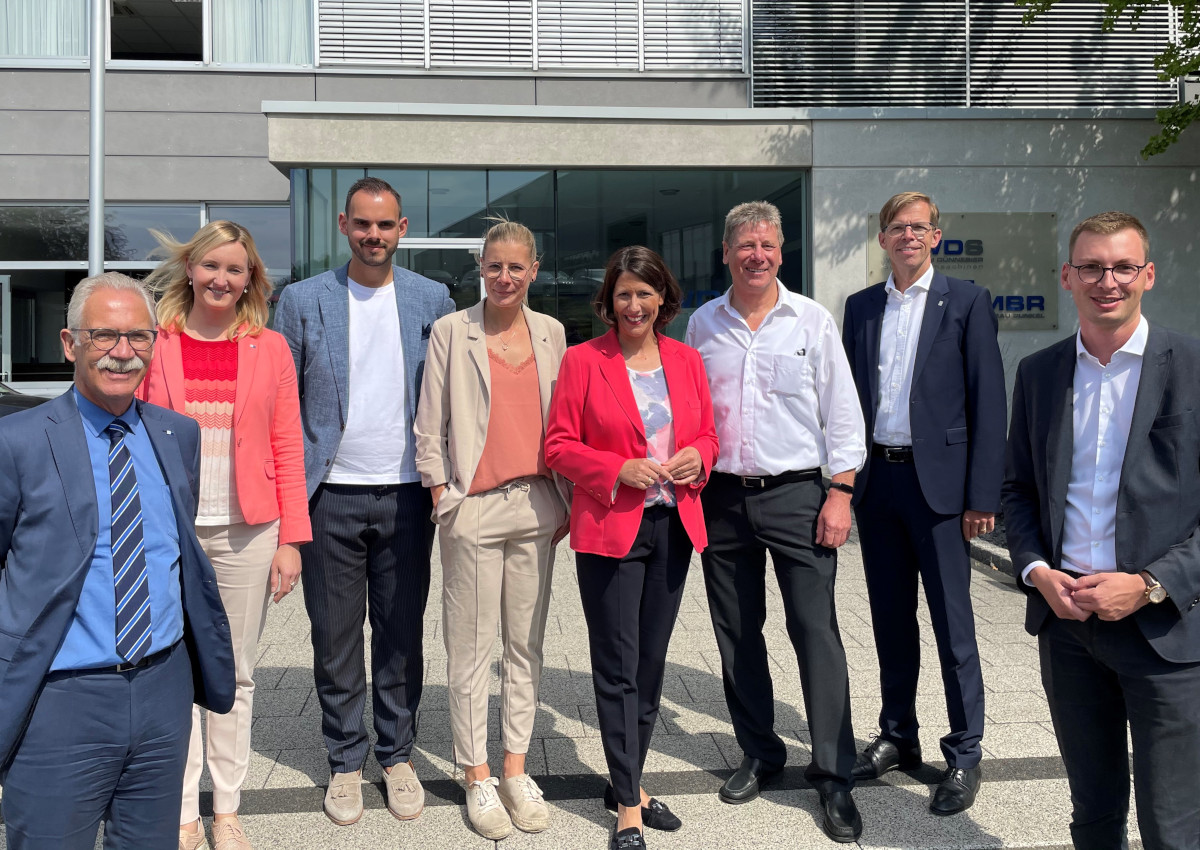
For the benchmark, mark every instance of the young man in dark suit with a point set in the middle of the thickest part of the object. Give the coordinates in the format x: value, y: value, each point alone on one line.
x: 931, y: 383
x: 1101, y: 507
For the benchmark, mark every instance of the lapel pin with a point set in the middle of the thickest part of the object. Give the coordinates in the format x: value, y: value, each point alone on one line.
x: 169, y: 431
x: 252, y: 345
x: 940, y: 303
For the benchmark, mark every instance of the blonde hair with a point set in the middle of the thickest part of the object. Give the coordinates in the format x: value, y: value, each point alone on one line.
x: 170, y: 280
x: 509, y: 231
x: 898, y: 202
x: 1106, y: 224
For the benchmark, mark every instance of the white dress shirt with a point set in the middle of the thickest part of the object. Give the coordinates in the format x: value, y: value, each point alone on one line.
x: 783, y: 396
x: 902, y: 317
x: 1102, y: 399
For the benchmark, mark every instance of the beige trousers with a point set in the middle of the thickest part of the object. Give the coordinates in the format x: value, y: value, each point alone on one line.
x: 241, y: 557
x: 496, y: 566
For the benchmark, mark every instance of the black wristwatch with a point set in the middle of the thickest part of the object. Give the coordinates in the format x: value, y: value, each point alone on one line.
x: 845, y: 488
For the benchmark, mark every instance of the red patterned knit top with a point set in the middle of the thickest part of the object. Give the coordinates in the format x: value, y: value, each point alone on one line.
x: 209, y: 392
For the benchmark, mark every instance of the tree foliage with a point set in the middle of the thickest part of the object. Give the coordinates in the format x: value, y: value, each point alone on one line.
x: 1180, y: 59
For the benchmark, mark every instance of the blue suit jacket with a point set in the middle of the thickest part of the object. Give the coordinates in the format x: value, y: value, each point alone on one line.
x: 48, y: 528
x: 1158, y: 502
x: 957, y: 403
x: 314, y: 317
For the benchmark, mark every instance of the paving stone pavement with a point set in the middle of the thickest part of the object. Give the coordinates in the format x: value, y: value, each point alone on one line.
x: 1023, y: 803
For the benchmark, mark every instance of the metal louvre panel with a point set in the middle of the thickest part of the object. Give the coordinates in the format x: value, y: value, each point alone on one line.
x: 698, y: 34
x: 371, y: 32
x: 587, y: 33
x: 1064, y: 59
x: 497, y: 33
x: 859, y: 53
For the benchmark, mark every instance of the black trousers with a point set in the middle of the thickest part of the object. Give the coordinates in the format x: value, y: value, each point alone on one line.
x: 370, y: 553
x: 903, y: 538
x: 630, y: 605
x: 743, y: 525
x: 1098, y: 676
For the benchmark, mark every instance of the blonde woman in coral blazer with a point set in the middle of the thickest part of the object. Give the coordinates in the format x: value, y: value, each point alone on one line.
x: 215, y: 361
x: 480, y: 429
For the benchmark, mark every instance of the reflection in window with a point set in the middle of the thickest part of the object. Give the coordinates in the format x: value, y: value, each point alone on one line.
x: 157, y: 30
x: 271, y: 228
x: 127, y: 229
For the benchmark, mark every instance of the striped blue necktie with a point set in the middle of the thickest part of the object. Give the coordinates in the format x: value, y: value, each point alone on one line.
x: 128, y: 550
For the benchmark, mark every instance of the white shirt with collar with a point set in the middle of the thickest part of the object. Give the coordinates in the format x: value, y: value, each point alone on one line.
x: 903, y: 314
x: 783, y: 395
x: 1102, y: 400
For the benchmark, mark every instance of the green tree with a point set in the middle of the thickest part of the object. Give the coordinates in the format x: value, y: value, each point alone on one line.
x: 1178, y: 60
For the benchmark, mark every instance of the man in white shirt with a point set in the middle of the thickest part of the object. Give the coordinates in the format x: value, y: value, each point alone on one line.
x: 1101, y: 505
x: 784, y: 402
x: 358, y: 335
x: 931, y: 383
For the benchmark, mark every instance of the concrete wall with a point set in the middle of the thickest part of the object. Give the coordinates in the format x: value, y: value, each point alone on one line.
x: 1074, y: 168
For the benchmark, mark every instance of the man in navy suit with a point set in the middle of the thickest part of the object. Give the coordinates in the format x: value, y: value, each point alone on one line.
x: 110, y: 621
x: 359, y: 335
x: 1102, y: 511
x: 931, y: 382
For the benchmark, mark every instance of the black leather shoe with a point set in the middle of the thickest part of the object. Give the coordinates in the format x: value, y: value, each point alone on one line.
x: 841, y: 820
x: 656, y: 815
x: 957, y: 791
x: 750, y: 778
x: 882, y: 755
x: 627, y: 839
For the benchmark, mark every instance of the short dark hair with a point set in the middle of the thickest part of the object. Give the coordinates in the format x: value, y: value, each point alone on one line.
x: 646, y: 265
x: 376, y: 188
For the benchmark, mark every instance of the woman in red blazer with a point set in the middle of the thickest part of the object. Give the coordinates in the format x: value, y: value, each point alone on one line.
x: 215, y: 361
x: 631, y: 424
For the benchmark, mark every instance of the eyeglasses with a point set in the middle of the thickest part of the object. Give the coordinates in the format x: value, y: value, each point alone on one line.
x: 1123, y: 273
x: 920, y: 229
x: 516, y: 273
x: 106, y: 339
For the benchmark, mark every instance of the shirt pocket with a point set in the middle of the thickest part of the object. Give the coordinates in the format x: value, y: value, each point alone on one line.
x: 791, y: 374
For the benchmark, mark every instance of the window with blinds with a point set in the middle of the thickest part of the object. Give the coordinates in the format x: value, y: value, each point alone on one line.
x: 964, y: 53
x: 618, y: 35
x: 588, y: 34
x: 370, y: 32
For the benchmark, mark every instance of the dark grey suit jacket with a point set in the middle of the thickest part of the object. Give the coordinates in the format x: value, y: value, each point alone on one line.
x: 1158, y: 503
x: 956, y: 407
x: 48, y: 527
x: 314, y: 317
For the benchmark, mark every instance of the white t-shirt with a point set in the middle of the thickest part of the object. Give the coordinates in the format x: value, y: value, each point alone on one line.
x: 376, y: 447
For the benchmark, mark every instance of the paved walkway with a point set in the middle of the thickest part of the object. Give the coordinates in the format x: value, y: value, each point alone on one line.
x: 1023, y: 802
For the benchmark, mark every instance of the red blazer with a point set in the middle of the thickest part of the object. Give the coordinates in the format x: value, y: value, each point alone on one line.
x: 268, y: 454
x: 595, y: 427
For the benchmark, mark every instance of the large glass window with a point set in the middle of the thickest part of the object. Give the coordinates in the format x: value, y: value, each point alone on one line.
x: 272, y: 32
x: 43, y: 29
x: 579, y: 217
x: 164, y: 30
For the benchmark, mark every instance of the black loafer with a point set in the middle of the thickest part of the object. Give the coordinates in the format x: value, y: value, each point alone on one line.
x: 627, y: 839
x: 655, y: 816
x: 957, y: 791
x: 882, y: 755
x: 841, y: 820
x: 753, y: 775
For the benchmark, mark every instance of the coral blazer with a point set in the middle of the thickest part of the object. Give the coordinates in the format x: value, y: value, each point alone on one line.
x: 595, y: 427
x: 268, y: 454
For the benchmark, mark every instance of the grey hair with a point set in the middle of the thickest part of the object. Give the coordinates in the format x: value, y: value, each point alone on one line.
x: 108, y: 280
x: 752, y: 212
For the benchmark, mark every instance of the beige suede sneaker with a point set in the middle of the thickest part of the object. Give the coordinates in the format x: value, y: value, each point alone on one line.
x: 343, y: 800
x: 405, y: 796
x: 523, y: 799
x: 228, y: 835
x: 485, y: 811
x: 193, y: 840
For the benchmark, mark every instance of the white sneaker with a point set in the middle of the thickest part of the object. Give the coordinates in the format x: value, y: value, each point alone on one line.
x: 484, y: 810
x: 343, y: 800
x: 523, y: 799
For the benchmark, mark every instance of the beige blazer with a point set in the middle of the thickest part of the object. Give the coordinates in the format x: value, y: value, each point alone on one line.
x: 452, y: 415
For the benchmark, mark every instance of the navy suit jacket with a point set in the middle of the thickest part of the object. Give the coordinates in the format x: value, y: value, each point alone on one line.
x: 48, y: 528
x: 957, y: 403
x: 314, y: 317
x: 1158, y: 503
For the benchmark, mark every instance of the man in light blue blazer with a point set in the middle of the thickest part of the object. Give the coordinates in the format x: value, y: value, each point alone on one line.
x: 110, y: 621
x: 358, y: 335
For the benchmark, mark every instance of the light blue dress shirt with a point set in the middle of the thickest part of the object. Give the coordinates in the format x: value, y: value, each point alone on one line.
x: 91, y: 639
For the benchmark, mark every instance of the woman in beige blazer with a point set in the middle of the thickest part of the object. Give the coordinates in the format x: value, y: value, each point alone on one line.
x: 480, y: 432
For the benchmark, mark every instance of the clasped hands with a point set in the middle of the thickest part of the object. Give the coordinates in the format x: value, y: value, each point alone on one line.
x: 1110, y: 596
x: 683, y: 468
